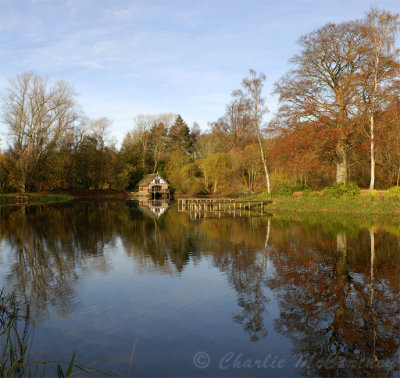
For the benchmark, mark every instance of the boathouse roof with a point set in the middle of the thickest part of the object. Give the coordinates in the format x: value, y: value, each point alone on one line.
x: 146, y: 180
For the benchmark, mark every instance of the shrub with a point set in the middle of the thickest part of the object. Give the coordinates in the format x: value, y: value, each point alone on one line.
x: 393, y: 192
x: 308, y: 193
x: 287, y: 190
x: 372, y: 194
x: 280, y: 179
x: 341, y: 190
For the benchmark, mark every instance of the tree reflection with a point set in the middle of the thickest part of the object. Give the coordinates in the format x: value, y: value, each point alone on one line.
x: 160, y: 245
x: 249, y: 284
x: 245, y: 268
x: 51, y: 246
x: 342, y: 318
x: 337, y: 282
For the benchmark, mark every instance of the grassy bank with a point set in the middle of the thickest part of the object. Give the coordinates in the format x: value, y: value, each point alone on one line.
x: 366, y: 203
x: 35, y: 198
x: 40, y: 198
x: 101, y: 194
x: 356, y: 205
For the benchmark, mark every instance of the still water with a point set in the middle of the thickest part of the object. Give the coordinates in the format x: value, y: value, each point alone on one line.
x: 144, y: 292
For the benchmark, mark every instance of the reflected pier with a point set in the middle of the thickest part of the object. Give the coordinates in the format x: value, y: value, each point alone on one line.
x: 199, y: 207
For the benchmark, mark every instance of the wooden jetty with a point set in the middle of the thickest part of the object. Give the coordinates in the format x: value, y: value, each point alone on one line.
x: 22, y: 199
x: 201, y: 206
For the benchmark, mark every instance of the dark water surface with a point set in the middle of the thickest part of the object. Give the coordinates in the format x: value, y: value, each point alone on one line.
x: 286, y: 295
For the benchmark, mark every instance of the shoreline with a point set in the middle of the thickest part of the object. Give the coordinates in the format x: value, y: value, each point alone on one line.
x: 49, y: 198
x: 34, y: 198
x: 362, y: 204
x: 359, y: 205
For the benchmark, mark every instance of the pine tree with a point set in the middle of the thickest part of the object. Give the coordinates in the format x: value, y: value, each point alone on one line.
x: 180, y: 136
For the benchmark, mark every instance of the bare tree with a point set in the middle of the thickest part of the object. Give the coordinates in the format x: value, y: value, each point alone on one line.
x: 380, y: 29
x: 143, y: 123
x: 158, y: 142
x: 253, y: 86
x: 37, y: 116
x: 100, y: 133
x: 234, y: 126
x: 159, y: 136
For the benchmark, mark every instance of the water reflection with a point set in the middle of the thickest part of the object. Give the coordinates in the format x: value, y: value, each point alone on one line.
x: 153, y: 208
x: 335, y: 280
x: 249, y: 283
x: 340, y: 310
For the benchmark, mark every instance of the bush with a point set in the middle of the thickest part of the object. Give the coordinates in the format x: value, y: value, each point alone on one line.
x: 393, y: 192
x: 287, y: 190
x: 279, y: 180
x: 341, y: 190
x: 308, y: 193
x: 372, y: 194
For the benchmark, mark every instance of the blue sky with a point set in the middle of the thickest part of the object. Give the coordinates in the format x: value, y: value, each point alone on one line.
x: 182, y: 56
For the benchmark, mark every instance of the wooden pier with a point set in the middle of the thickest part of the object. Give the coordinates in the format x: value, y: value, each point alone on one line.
x: 199, y: 207
x: 22, y: 199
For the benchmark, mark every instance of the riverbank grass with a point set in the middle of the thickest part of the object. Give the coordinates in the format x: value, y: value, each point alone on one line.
x: 35, y: 198
x: 335, y: 200
x: 362, y: 204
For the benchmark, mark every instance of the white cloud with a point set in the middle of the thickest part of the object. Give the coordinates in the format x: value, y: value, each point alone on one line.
x: 118, y: 13
x: 92, y: 65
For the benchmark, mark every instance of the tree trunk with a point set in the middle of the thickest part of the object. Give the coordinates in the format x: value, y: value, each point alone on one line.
x: 371, y: 123
x: 264, y: 162
x: 371, y: 126
x: 24, y: 177
x: 371, y: 292
x: 341, y: 278
x: 341, y: 163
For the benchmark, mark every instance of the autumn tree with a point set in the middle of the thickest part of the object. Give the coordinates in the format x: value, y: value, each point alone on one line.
x: 387, y: 140
x: 215, y: 169
x: 322, y: 88
x: 247, y: 167
x: 177, y: 160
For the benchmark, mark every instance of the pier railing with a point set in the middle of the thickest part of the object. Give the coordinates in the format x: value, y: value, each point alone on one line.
x: 199, y: 207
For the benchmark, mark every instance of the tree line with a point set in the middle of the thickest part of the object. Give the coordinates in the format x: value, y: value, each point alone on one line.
x: 338, y: 120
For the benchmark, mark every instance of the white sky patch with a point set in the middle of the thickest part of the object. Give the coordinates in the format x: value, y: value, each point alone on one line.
x: 118, y: 13
x: 92, y: 65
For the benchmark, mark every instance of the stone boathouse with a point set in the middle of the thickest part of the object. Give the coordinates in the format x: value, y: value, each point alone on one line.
x: 153, y: 186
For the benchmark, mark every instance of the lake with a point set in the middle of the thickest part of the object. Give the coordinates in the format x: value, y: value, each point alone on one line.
x: 144, y: 291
